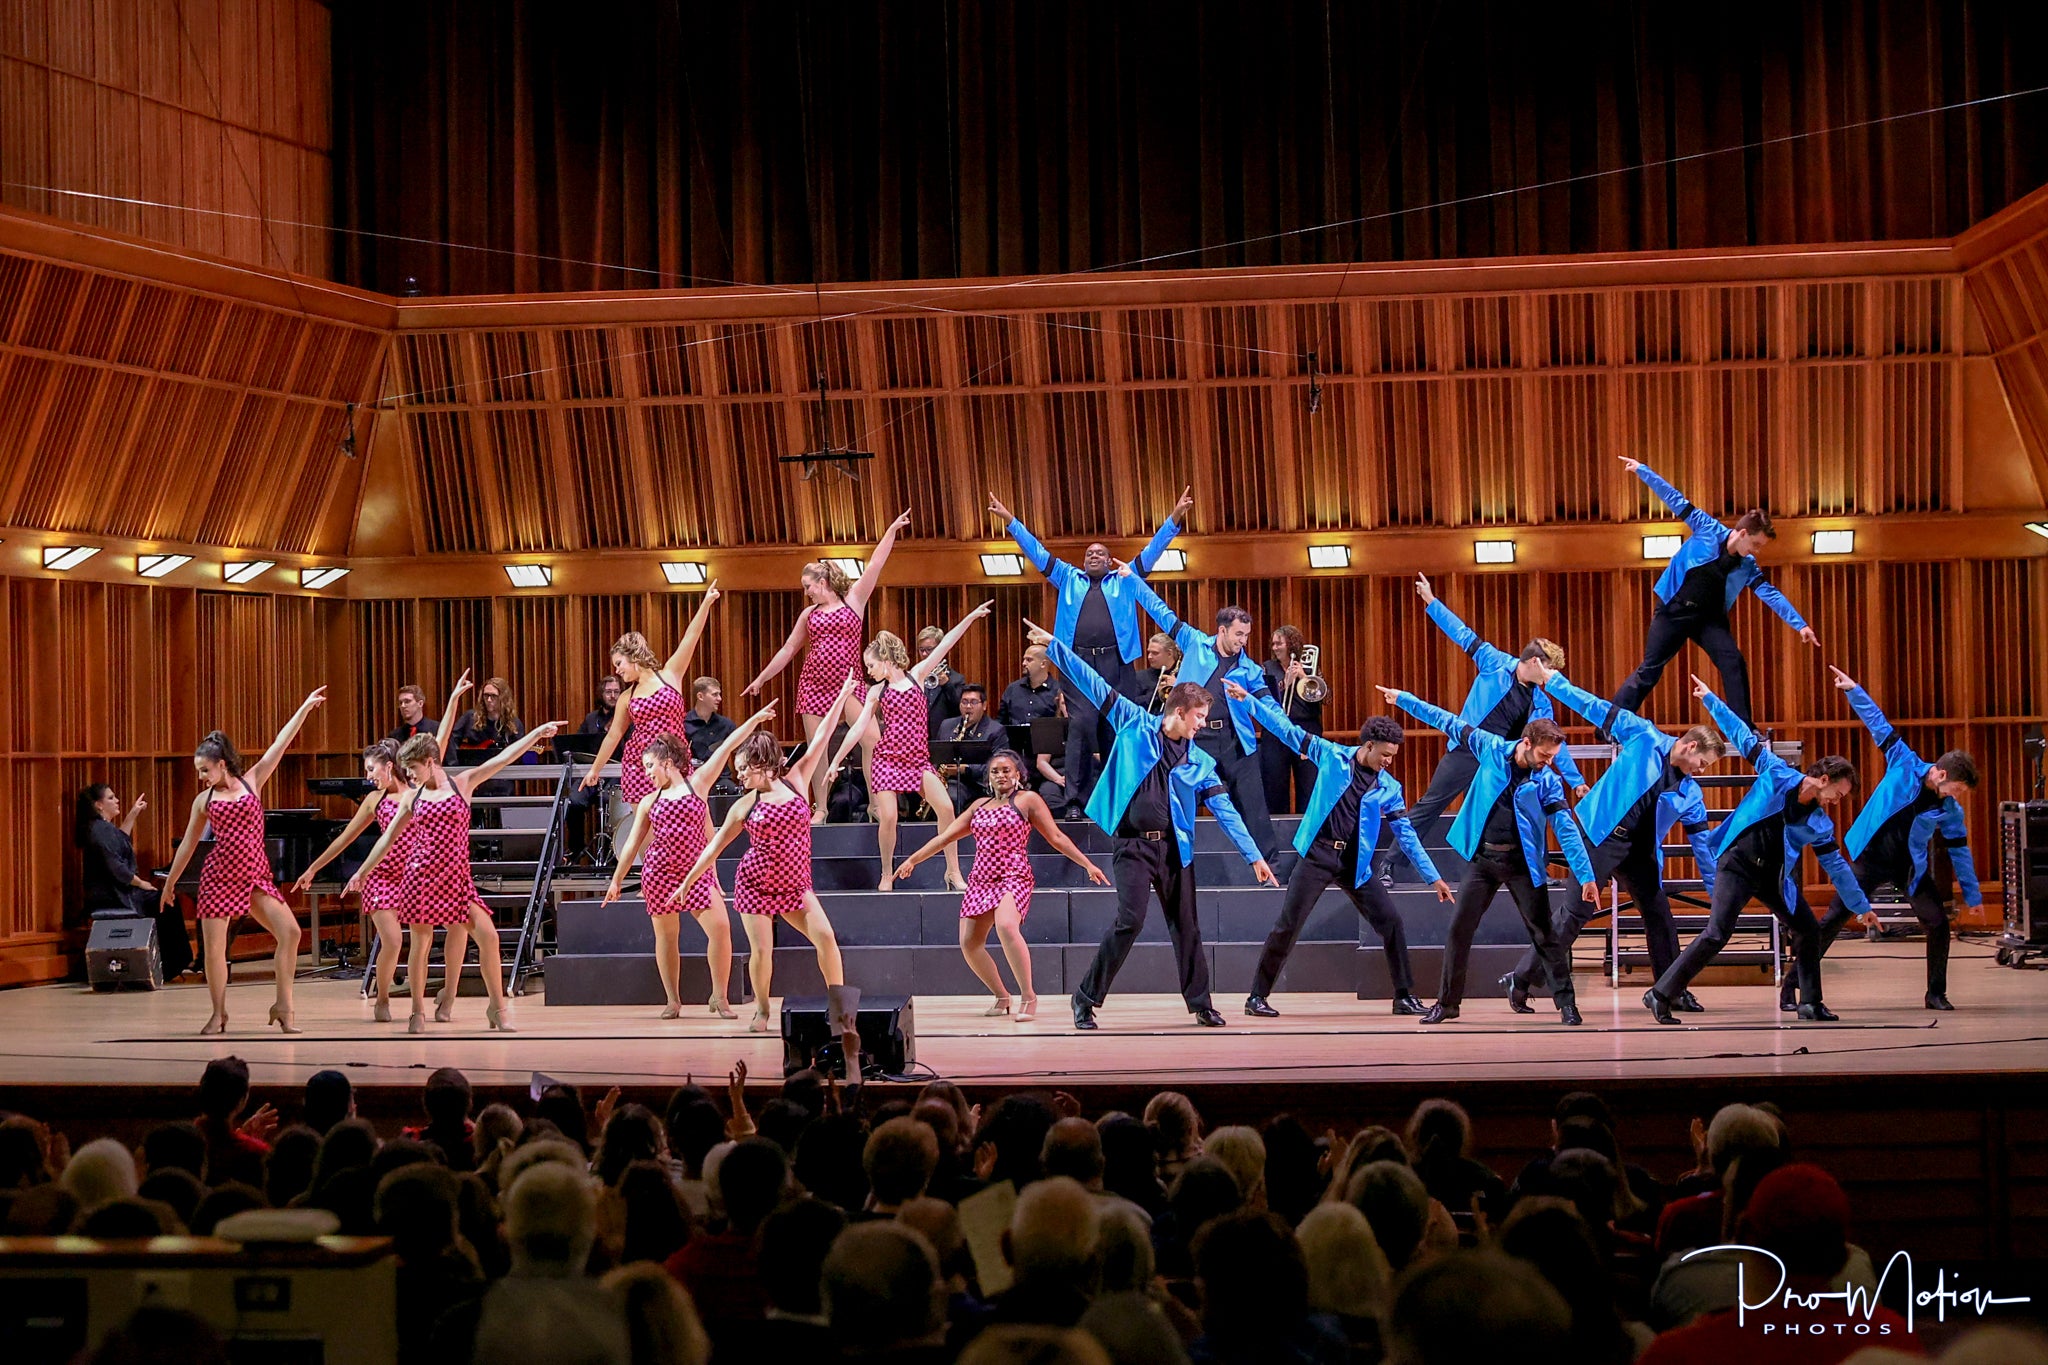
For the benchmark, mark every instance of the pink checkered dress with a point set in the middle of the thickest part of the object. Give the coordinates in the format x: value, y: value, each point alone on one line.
x: 385, y: 887
x: 1001, y: 865
x: 237, y: 868
x: 680, y: 826
x: 776, y: 872
x: 660, y: 712
x: 903, y: 755
x: 833, y: 653
x: 439, y: 889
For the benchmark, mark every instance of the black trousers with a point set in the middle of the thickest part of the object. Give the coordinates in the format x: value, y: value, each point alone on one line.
x: 1737, y: 881
x: 1141, y: 868
x: 1239, y: 773
x: 1453, y: 775
x: 1089, y: 733
x: 1635, y: 866
x: 1668, y: 633
x: 1489, y: 872
x: 1324, y: 866
x: 1930, y: 906
x: 1288, y: 777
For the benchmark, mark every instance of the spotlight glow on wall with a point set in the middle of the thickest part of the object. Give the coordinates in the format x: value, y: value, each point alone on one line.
x: 156, y: 566
x: 67, y: 556
x: 852, y: 568
x: 320, y: 578
x: 244, y: 572
x: 529, y: 575
x: 1002, y: 566
x: 683, y: 571
x: 1329, y: 556
x: 1493, y: 552
x: 1171, y: 561
x: 1661, y: 547
x: 1834, y: 542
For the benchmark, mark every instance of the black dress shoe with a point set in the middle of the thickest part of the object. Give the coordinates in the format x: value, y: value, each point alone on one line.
x: 1438, y: 1014
x: 1084, y: 1014
x: 1788, y: 996
x: 1938, y: 1001
x: 1408, y: 1004
x: 1518, y: 994
x: 1818, y: 1013
x: 1659, y: 1007
x: 1689, y: 1003
x: 1209, y: 1019
x: 1256, y: 1006
x: 1568, y: 1013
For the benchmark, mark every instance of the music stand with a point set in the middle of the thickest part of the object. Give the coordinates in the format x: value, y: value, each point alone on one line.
x: 962, y: 751
x: 1048, y: 735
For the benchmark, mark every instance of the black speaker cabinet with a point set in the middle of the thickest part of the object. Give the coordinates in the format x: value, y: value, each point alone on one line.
x: 122, y: 952
x: 888, y: 1037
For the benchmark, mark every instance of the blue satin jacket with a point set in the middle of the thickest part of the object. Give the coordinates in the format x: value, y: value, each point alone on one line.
x: 1541, y: 797
x: 1072, y: 585
x: 1905, y: 773
x: 1199, y: 660
x: 1136, y: 753
x: 1496, y: 675
x: 1776, y: 783
x: 1645, y: 753
x: 1704, y: 545
x: 1383, y: 803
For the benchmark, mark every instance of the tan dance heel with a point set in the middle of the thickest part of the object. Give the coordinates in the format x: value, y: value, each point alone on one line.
x: 444, y: 1007
x: 215, y: 1023
x: 1030, y: 1010
x: 720, y: 1007
x: 759, y: 1023
x: 416, y: 1024
x: 381, y: 1011
x: 496, y: 1019
x: 997, y: 1010
x: 283, y: 1020
x: 671, y: 1012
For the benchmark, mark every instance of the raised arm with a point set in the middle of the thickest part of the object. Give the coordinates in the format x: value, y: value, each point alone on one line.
x: 628, y: 851
x: 952, y: 833
x: 1601, y: 712
x: 799, y: 636
x: 1041, y: 558
x: 1165, y: 535
x: 133, y: 813
x: 446, y: 731
x: 472, y: 778
x: 195, y: 825
x: 707, y: 773
x: 614, y: 735
x: 922, y: 669
x: 679, y: 662
x: 260, y: 771
x: 384, y: 841
x: 864, y: 586
x: 857, y: 728
x: 735, y: 819
x: 1074, y: 669
x: 1219, y: 804
x: 1155, y: 607
x: 1681, y: 506
x: 1033, y: 808
x: 1736, y: 730
x: 806, y: 764
x: 1272, y: 719
x: 1433, y: 716
x: 1484, y: 656
x: 1889, y: 742
x: 365, y: 816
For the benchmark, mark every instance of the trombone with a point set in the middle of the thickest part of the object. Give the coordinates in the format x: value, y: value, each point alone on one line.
x: 1313, y: 688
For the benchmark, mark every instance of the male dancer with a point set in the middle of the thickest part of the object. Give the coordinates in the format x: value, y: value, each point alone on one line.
x: 1500, y: 832
x: 1152, y: 781
x: 1757, y: 855
x: 1913, y: 808
x: 1697, y: 591
x: 1098, y: 619
x: 1646, y: 789
x: 1507, y: 695
x: 1230, y: 739
x: 1353, y: 796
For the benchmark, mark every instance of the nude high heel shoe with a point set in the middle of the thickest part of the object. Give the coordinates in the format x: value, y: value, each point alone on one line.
x: 283, y: 1020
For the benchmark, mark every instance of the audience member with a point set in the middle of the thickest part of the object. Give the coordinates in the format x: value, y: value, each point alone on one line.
x: 1011, y: 1138
x: 1396, y: 1203
x: 791, y: 1247
x: 1439, y: 1143
x: 722, y: 1269
x: 882, y: 1296
x: 329, y: 1099
x: 99, y: 1173
x: 177, y: 1190
x: 1206, y: 1189
x: 224, y: 1202
x: 1130, y: 1162
x: 1254, y: 1292
x: 1696, y: 1221
x: 1347, y: 1276
x: 1053, y: 1246
x: 178, y: 1145
x: 662, y: 1325
x: 1022, y: 1345
x: 1294, y: 1177
x: 1551, y: 1235
x: 1243, y: 1153
x: 1177, y: 1132
x: 160, y: 1336
x: 1473, y: 1306
x: 1133, y: 1329
x: 654, y: 1222
x: 416, y: 1208
x: 234, y: 1149
x: 899, y: 1160
x: 447, y: 1099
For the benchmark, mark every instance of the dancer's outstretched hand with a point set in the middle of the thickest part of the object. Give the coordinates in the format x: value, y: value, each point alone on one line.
x: 1631, y: 465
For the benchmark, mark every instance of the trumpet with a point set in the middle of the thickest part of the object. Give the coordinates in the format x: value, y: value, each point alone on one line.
x: 1314, y: 688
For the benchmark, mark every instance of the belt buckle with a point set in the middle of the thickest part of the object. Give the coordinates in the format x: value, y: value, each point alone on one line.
x: 1214, y: 724
x: 1337, y: 844
x: 1153, y: 836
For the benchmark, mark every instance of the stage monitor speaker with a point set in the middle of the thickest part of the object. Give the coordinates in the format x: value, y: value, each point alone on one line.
x: 122, y: 952
x: 888, y: 1038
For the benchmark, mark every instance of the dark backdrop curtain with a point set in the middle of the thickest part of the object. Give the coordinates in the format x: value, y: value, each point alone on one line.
x: 674, y: 144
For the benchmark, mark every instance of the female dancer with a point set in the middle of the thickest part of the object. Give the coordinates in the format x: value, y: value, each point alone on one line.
x: 655, y: 703
x: 828, y: 629
x: 672, y: 824
x: 236, y: 878
x: 999, y: 888
x: 774, y: 878
x: 384, y: 894
x: 439, y: 890
x: 903, y: 755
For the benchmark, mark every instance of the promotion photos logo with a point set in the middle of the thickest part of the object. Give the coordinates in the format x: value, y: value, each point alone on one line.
x: 1851, y: 1310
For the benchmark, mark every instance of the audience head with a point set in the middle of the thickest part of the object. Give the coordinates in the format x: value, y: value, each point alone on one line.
x: 223, y: 1202
x: 1124, y: 1249
x: 1253, y: 1281
x: 783, y: 1122
x: 1130, y: 1161
x: 1172, y: 1116
x: 416, y: 1208
x: 828, y: 1159
x: 99, y: 1172
x: 662, y: 1325
x: 446, y: 1098
x: 1205, y: 1189
x: 1294, y: 1178
x: 1055, y: 1232
x: 288, y: 1168
x: 1132, y: 1330
x: 498, y: 1123
x: 1439, y: 1130
x: 1015, y: 1129
x: 954, y: 1098
x: 880, y: 1289
x: 938, y: 1116
x: 1243, y: 1152
x: 132, y: 1219
x: 899, y: 1160
x: 1737, y: 1129
x: 175, y: 1146
x: 792, y: 1243
x: 223, y: 1088
x: 24, y: 1160
x: 349, y: 1145
x: 1476, y: 1305
x: 562, y: 1105
x: 551, y: 1220
x: 1799, y: 1213
x: 329, y: 1099
x: 1073, y: 1148
x: 1347, y: 1272
x: 1551, y: 1235
x: 751, y: 1180
x: 633, y: 1134
x: 177, y: 1190
x: 939, y: 1224
x: 658, y: 1221
x: 158, y: 1336
x: 805, y: 1088
x: 1590, y: 1182
x: 1022, y: 1344
x: 695, y: 1129
x: 1395, y: 1203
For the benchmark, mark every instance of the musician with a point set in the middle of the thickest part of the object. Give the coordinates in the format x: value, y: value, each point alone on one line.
x: 412, y: 714
x: 1032, y: 696
x: 600, y: 718
x: 967, y: 783
x: 705, y: 728
x: 490, y: 727
x: 1288, y: 776
x: 942, y: 685
x: 1162, y: 666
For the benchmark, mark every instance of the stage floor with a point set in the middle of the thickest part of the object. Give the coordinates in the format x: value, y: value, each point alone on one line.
x: 68, y: 1036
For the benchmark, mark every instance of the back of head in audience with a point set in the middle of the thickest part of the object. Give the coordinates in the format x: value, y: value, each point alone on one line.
x: 551, y: 1220
x: 632, y: 1134
x: 223, y: 1088
x: 178, y: 1190
x: 178, y: 1145
x: 23, y: 1161
x: 329, y: 1099
x: 939, y: 1224
x: 552, y: 1322
x: 416, y: 1208
x: 1474, y: 1306
x: 1800, y: 1214
x: 1253, y: 1281
x: 751, y: 1179
x: 658, y: 1221
x: 899, y: 1160
x: 1132, y: 1330
x: 1172, y: 1117
x: 1243, y: 1152
x: 1130, y: 1161
x: 1395, y: 1203
x: 446, y: 1098
x: 1073, y: 1148
x: 288, y: 1166
x: 157, y: 1336
x: 828, y: 1159
x: 349, y: 1145
x: 1015, y: 1128
x: 1736, y: 1129
x: 1551, y: 1235
x: 1347, y: 1272
x: 497, y: 1123
x: 1012, y: 1344
x: 1438, y: 1130
x: 99, y: 1172
x: 1055, y: 1232
x: 662, y: 1326
x: 783, y: 1122
x: 547, y: 1151
x: 223, y: 1202
x: 938, y: 1116
x: 1590, y: 1183
x: 1294, y: 1177
x: 562, y: 1105
x: 792, y: 1243
x: 1124, y: 1254
x: 880, y: 1288
x: 128, y: 1220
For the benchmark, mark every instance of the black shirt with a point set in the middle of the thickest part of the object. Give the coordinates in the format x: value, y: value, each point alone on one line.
x: 1096, y: 628
x: 1890, y: 851
x: 1511, y: 712
x: 704, y: 736
x: 480, y: 734
x: 1641, y: 820
x: 109, y: 866
x: 1763, y: 843
x: 1022, y: 703
x: 423, y: 726
x: 1151, y: 808
x: 1501, y: 826
x: 1703, y: 596
x: 596, y: 723
x: 1342, y: 824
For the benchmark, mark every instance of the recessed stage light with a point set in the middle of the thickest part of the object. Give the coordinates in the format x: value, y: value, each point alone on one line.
x: 156, y: 566
x: 2039, y: 528
x: 1493, y: 552
x: 67, y: 556
x: 1834, y: 542
x: 852, y: 568
x: 246, y: 571
x: 320, y: 578
x: 1002, y: 566
x: 1661, y: 547
x: 683, y: 570
x: 529, y: 575
x: 1171, y: 561
x: 1329, y: 556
